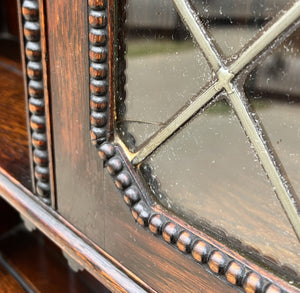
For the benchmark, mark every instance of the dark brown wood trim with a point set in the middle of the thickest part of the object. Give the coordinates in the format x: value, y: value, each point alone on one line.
x: 35, y: 97
x: 102, y: 266
x: 111, y: 67
x: 23, y: 58
x: 209, y: 253
x: 99, y: 69
x: 46, y: 81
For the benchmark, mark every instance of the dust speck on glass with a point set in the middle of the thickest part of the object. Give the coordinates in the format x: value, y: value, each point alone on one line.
x: 212, y: 118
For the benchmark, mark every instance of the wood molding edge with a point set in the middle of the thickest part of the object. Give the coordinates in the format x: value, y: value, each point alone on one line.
x: 92, y: 258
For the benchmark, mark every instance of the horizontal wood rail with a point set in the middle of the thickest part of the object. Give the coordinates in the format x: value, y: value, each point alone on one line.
x: 104, y: 268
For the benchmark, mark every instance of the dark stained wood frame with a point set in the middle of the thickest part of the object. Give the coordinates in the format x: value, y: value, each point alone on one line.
x: 206, y: 251
x: 34, y: 59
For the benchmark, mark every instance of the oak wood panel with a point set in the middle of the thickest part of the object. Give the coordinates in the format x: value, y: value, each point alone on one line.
x: 14, y: 152
x: 78, y: 168
x: 147, y: 256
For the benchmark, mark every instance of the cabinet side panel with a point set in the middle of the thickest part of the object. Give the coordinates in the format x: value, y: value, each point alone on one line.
x: 78, y: 167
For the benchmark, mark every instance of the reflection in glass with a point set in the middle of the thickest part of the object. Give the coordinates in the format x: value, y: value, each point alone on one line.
x: 233, y: 23
x: 209, y: 175
x: 163, y: 68
x: 274, y: 90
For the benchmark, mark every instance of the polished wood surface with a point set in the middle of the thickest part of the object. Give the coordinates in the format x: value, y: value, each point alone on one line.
x: 14, y: 153
x: 99, y: 213
x: 93, y: 225
x: 78, y: 169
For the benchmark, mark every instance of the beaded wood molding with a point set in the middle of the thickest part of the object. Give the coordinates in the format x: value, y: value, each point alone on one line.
x: 98, y: 57
x: 196, y: 245
x: 36, y: 99
x: 207, y: 252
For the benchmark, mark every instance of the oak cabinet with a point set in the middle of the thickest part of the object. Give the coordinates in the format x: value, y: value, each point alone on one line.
x: 157, y: 142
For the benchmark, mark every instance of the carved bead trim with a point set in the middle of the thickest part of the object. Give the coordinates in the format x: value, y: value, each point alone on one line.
x: 98, y: 58
x: 36, y: 102
x: 209, y: 255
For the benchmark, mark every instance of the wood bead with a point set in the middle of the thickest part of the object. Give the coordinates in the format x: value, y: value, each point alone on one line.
x: 114, y: 165
x: 98, y: 54
x: 123, y: 180
x: 200, y: 251
x: 170, y: 232
x: 184, y: 241
x: 155, y: 224
x: 98, y: 135
x: 41, y: 173
x: 131, y: 195
x: 98, y: 87
x: 33, y: 51
x: 34, y: 70
x: 234, y: 273
x: 97, y: 19
x: 252, y: 283
x: 141, y: 213
x: 36, y: 106
x: 97, y: 37
x: 106, y: 151
x: 98, y: 119
x: 98, y: 103
x: 217, y: 262
x: 35, y: 89
x: 97, y: 4
x: 32, y: 31
x: 39, y: 140
x: 40, y: 157
x: 37, y: 123
x: 30, y: 10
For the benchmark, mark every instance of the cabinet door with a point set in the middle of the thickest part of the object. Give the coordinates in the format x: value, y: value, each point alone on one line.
x: 175, y: 137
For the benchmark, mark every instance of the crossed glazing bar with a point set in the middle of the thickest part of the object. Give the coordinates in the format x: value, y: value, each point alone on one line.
x: 225, y: 76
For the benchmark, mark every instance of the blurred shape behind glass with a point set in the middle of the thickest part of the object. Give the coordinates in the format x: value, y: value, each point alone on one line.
x: 273, y: 88
x: 233, y: 23
x: 164, y: 69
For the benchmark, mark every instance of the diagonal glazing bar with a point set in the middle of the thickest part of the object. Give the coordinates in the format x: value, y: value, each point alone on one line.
x: 267, y: 37
x: 199, y: 34
x: 264, y: 156
x: 180, y: 119
x: 197, y: 30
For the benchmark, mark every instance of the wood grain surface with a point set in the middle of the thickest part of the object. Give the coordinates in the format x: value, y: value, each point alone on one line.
x: 78, y: 168
x: 14, y: 154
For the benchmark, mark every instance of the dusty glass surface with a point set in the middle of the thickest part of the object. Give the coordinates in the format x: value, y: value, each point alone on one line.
x: 209, y: 175
x: 233, y: 23
x: 275, y: 88
x: 164, y: 68
x: 213, y: 168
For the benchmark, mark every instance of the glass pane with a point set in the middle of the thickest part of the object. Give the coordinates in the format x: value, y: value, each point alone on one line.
x: 233, y: 23
x: 274, y: 91
x: 209, y: 175
x: 164, y: 69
